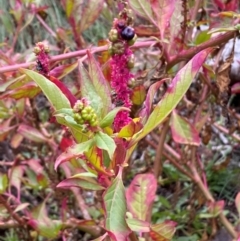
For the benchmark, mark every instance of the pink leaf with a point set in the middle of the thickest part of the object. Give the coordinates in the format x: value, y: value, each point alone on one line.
x: 237, y: 203
x: 162, y: 231
x: 140, y: 195
x: 163, y: 10
x: 31, y: 133
x: 73, y: 151
x: 149, y: 99
x: 183, y: 132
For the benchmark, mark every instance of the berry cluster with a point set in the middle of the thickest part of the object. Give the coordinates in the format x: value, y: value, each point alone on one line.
x: 122, y: 36
x: 84, y: 114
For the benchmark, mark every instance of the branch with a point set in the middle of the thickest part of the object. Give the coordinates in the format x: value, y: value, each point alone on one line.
x: 159, y: 151
x: 189, y: 53
x: 74, y: 54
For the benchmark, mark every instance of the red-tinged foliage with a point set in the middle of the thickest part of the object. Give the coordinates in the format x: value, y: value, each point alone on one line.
x: 162, y: 231
x: 159, y: 94
x: 72, y: 99
x: 141, y: 194
x: 65, y: 143
x: 183, y: 132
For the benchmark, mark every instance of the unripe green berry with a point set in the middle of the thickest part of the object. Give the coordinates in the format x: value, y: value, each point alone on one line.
x: 84, y: 112
x: 132, y: 41
x: 95, y: 123
x: 85, y: 116
x: 131, y: 62
x: 113, y: 35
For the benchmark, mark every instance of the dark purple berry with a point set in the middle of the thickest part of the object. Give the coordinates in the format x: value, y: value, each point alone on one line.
x: 128, y: 33
x: 121, y: 25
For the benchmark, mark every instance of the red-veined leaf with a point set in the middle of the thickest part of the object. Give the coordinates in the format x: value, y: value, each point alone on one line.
x: 40, y: 222
x: 105, y: 142
x: 162, y: 231
x: 27, y: 91
x: 143, y: 9
x: 115, y: 209
x: 137, y: 225
x: 81, y: 181
x: 183, y: 132
x: 149, y: 99
x: 63, y: 70
x: 173, y: 95
x: 140, y: 195
x: 130, y: 129
x: 100, y: 84
x: 72, y: 99
x: 138, y: 95
x: 101, y: 238
x: 176, y: 20
x: 95, y: 157
x: 31, y: 133
x: 89, y: 91
x: 52, y: 92
x: 163, y: 10
x: 73, y: 151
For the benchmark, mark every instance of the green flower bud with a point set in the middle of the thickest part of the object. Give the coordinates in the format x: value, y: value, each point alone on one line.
x: 118, y: 48
x: 95, y: 123
x: 113, y: 35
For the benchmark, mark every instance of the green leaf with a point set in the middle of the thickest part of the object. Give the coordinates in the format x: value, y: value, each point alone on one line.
x: 88, y: 13
x: 100, y: 84
x: 141, y: 194
x: 115, y: 209
x: 52, y: 92
x: 89, y: 91
x: 109, y: 118
x: 3, y: 183
x: 74, y: 151
x: 183, y: 132
x: 137, y: 225
x: 162, y: 231
x: 143, y: 9
x: 81, y: 181
x: 40, y: 222
x: 75, y: 128
x: 105, y: 142
x: 173, y: 95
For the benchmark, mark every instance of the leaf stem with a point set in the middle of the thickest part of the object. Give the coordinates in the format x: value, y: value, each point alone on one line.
x: 10, y: 211
x: 159, y: 151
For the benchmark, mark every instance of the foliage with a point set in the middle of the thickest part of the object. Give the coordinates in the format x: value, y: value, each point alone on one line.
x: 119, y: 120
